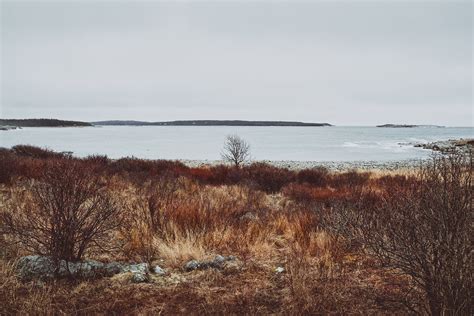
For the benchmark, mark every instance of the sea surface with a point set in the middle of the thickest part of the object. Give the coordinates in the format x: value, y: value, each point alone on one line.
x: 267, y: 143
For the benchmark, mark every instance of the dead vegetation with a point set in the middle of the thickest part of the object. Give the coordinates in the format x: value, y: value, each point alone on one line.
x: 348, y: 243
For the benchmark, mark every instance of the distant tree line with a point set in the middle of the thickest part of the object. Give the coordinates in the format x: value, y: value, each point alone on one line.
x: 41, y: 123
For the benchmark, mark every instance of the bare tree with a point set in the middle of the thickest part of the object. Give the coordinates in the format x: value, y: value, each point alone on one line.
x: 236, y: 150
x: 65, y: 213
x: 424, y: 230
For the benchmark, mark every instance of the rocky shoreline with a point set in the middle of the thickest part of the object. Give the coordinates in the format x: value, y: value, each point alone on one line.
x: 462, y: 145
x: 444, y: 146
x: 8, y: 128
x: 331, y: 165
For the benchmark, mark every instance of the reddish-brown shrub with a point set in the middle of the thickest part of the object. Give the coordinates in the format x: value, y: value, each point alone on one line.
x: 97, y: 160
x: 68, y: 213
x: 399, y: 181
x: 36, y: 152
x: 349, y: 179
x: 306, y: 193
x: 315, y: 176
x: 13, y: 166
x: 423, y: 230
x: 8, y: 166
x: 225, y: 175
x: 202, y: 174
x: 139, y: 170
x: 266, y: 177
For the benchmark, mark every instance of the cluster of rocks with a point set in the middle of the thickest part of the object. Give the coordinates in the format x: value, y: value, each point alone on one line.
x: 7, y: 128
x: 42, y: 267
x: 217, y: 263
x: 462, y: 145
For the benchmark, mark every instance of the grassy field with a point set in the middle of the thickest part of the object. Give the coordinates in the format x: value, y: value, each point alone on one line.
x: 348, y: 242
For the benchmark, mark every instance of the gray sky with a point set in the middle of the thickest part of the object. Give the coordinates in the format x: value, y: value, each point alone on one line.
x: 342, y: 62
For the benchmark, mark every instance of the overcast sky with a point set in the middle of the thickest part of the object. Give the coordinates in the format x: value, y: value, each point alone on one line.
x: 342, y: 62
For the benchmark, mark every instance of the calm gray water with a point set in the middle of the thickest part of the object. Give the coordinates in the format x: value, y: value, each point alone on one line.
x: 267, y: 143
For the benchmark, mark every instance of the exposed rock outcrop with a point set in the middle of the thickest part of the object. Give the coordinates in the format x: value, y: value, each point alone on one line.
x: 460, y: 145
x: 42, y: 267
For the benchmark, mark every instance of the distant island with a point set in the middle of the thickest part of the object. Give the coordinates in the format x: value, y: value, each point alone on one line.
x: 13, y: 123
x: 406, y: 125
x: 209, y: 123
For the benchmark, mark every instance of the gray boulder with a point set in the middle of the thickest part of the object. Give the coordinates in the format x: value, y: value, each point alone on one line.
x: 139, y: 277
x: 158, y: 270
x: 192, y: 265
x: 136, y: 268
x: 219, y: 259
x: 31, y: 267
x: 42, y: 267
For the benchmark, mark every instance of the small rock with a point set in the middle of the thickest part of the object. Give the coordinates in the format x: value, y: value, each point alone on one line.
x: 249, y: 216
x: 219, y: 259
x: 192, y: 265
x: 159, y: 270
x: 139, y: 277
x: 137, y: 268
x: 280, y: 270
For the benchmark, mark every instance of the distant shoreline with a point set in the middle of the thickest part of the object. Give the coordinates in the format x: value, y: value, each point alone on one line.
x: 408, y: 126
x: 8, y: 124
x: 208, y: 123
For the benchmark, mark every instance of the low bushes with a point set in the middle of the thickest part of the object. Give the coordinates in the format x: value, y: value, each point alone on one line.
x: 423, y: 230
x: 36, y: 152
x: 337, y: 236
x: 63, y: 214
x: 306, y: 193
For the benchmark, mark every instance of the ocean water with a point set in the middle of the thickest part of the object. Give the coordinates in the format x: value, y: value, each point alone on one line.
x: 267, y: 143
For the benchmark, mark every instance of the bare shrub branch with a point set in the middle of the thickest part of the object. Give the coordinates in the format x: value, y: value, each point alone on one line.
x: 423, y: 229
x: 65, y: 213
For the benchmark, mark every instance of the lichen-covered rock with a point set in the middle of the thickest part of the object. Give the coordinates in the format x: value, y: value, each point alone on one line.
x: 219, y: 259
x: 31, y: 267
x: 85, y: 269
x: 139, y: 277
x: 42, y: 267
x: 192, y: 265
x: 159, y: 270
x: 136, y: 268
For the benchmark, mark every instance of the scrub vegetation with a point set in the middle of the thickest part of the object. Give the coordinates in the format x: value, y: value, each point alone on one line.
x: 306, y: 242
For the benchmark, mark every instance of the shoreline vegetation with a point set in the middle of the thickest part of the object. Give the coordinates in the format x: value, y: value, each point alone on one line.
x: 131, y: 236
